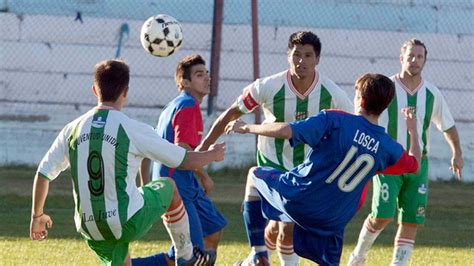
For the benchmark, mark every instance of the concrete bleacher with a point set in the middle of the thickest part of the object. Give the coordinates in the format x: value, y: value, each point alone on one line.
x: 52, y: 72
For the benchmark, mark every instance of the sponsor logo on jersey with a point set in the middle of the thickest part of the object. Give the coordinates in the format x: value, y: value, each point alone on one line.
x: 412, y: 109
x: 420, y: 211
x: 103, y: 215
x: 422, y: 189
x: 98, y: 123
x: 301, y: 115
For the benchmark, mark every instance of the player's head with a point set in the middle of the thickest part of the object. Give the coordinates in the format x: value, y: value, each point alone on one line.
x: 303, y: 38
x: 304, y: 49
x: 111, y: 79
x: 373, y: 93
x: 191, y: 73
x: 413, y: 56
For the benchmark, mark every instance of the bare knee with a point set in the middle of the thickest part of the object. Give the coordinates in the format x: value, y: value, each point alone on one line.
x: 378, y: 224
x: 176, y: 197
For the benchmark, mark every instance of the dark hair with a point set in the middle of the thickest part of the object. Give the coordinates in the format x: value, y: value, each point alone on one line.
x: 376, y: 91
x: 411, y: 43
x: 305, y: 37
x: 183, y: 69
x: 111, y: 79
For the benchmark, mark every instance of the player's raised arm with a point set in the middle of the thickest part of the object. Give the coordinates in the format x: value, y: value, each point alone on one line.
x: 196, y: 160
x: 218, y: 127
x: 275, y: 130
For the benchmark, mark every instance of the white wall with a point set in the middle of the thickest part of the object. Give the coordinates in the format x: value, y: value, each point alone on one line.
x: 45, y: 76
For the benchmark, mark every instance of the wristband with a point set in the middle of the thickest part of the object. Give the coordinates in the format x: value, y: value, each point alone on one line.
x: 37, y: 216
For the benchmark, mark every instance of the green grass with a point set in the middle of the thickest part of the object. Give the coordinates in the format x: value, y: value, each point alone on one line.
x: 447, y: 238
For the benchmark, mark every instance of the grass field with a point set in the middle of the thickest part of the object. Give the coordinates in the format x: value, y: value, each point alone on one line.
x: 447, y: 238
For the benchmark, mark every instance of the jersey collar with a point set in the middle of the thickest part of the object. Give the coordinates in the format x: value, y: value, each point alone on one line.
x: 411, y: 92
x: 308, y: 91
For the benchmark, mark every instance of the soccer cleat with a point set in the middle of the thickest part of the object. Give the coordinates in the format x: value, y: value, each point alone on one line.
x: 356, y: 260
x: 257, y: 259
x: 200, y: 258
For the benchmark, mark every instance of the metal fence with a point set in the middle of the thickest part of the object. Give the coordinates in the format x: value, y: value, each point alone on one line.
x: 48, y: 49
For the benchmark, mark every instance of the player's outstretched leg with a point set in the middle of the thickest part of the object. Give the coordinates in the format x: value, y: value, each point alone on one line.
x: 176, y: 222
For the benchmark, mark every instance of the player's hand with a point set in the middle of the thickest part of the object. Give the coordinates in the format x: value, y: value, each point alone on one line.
x: 39, y: 226
x: 410, y: 117
x: 238, y: 126
x: 457, y: 163
x: 219, y: 151
x: 207, y: 184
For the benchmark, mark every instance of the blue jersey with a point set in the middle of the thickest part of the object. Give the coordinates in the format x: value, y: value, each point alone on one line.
x: 346, y: 151
x: 180, y: 122
x: 322, y: 194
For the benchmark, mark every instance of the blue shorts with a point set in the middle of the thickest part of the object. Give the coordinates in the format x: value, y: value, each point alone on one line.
x: 204, y: 218
x: 324, y: 249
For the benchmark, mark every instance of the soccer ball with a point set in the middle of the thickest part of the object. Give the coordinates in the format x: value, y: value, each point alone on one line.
x: 161, y: 35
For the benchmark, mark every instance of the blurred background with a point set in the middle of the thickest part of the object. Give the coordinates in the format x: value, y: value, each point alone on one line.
x: 48, y: 49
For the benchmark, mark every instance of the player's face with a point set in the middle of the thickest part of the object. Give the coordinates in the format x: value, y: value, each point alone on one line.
x: 303, y: 60
x: 200, y: 81
x: 357, y: 101
x: 413, y: 60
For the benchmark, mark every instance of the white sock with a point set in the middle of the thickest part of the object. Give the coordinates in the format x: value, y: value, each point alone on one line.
x: 176, y: 222
x: 402, y: 251
x: 367, y: 237
x: 287, y: 255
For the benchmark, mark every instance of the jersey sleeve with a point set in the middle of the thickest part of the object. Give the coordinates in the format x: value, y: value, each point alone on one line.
x: 250, y: 98
x: 56, y: 159
x: 406, y: 164
x: 152, y: 146
x: 442, y: 117
x: 185, y: 126
x: 309, y: 131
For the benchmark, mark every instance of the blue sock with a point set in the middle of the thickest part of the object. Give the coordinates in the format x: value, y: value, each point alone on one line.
x: 254, y: 223
x: 158, y: 259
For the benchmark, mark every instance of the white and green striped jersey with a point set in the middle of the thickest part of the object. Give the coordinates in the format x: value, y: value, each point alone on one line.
x: 281, y: 102
x: 429, y: 105
x: 104, y: 149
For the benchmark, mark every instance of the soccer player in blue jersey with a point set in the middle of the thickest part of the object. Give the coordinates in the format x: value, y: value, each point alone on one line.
x: 294, y: 94
x: 104, y: 149
x: 323, y: 193
x: 181, y: 123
